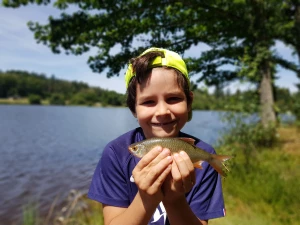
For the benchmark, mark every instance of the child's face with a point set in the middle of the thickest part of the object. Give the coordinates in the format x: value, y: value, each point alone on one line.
x: 161, y: 105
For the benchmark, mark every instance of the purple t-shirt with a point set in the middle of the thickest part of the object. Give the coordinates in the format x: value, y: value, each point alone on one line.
x: 112, y: 183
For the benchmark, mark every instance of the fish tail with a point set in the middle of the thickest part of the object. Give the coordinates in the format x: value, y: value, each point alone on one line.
x: 217, y: 163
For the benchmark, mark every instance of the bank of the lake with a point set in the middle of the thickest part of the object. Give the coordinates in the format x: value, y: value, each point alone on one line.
x: 14, y: 101
x: 45, y: 102
x: 268, y: 193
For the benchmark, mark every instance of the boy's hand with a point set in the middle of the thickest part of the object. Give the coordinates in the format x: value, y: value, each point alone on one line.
x: 181, y: 179
x: 150, y: 173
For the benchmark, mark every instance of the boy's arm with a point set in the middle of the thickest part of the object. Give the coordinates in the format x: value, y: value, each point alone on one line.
x: 179, y: 182
x: 179, y: 212
x: 149, y: 174
x: 135, y: 214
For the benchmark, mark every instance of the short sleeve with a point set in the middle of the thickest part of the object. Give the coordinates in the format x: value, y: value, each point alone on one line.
x: 108, y: 184
x: 206, y: 197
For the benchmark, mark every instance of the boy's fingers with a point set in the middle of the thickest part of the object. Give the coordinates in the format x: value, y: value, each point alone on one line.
x: 186, y: 169
x: 149, y: 157
x: 162, y: 155
x: 177, y: 180
x: 154, y: 176
x: 151, y: 167
x: 157, y: 169
x: 190, y: 166
x: 162, y: 177
x: 175, y: 171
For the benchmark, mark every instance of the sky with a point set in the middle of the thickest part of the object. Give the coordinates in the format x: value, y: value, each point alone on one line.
x: 20, y: 51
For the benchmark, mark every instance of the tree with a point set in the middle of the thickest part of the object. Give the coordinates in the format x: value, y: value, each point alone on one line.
x: 34, y: 99
x: 240, y: 33
x: 292, y: 35
x: 57, y: 99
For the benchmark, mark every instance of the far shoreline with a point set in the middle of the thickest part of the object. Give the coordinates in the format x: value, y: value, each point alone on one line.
x: 25, y: 101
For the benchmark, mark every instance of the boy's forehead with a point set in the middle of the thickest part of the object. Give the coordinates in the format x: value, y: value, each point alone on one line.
x: 159, y: 81
x: 158, y: 76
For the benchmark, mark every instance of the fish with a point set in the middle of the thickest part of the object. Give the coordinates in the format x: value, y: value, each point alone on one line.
x: 177, y: 144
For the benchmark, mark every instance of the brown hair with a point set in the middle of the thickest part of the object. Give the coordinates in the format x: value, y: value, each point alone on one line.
x: 140, y: 66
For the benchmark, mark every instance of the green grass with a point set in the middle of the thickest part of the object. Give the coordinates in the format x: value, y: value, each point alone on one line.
x: 11, y: 101
x: 30, y: 216
x: 19, y: 101
x: 268, y: 192
x: 77, y: 210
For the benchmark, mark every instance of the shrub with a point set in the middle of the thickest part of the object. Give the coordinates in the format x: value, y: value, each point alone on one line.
x: 245, y: 135
x: 296, y: 109
x: 34, y: 99
x: 57, y: 99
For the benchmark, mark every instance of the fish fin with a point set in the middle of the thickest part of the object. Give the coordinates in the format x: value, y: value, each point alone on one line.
x: 198, y: 164
x: 217, y: 163
x: 188, y: 140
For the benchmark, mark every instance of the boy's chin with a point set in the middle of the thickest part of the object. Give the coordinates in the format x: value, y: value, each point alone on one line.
x: 164, y: 134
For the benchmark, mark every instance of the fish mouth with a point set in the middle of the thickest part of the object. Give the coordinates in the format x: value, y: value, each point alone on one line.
x: 131, y: 149
x: 163, y: 124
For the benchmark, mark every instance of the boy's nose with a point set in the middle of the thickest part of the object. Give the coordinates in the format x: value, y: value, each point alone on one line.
x: 162, y: 109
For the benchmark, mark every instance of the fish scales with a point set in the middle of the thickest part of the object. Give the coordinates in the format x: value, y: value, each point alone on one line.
x: 176, y: 145
x: 197, y: 155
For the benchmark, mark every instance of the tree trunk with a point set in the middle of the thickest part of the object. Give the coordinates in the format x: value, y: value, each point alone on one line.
x: 266, y: 96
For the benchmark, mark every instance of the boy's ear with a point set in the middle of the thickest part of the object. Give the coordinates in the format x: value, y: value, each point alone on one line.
x: 192, y: 98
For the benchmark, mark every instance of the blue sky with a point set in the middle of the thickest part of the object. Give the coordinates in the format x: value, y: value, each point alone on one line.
x: 19, y: 51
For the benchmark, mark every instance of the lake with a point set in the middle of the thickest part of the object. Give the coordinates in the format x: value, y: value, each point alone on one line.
x: 48, y: 150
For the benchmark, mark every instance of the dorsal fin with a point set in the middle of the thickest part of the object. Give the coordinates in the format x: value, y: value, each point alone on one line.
x: 188, y: 140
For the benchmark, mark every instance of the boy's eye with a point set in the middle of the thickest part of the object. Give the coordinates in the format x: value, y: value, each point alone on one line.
x: 174, y: 99
x: 149, y: 102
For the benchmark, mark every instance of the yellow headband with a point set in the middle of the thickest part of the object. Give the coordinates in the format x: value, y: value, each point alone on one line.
x: 171, y: 59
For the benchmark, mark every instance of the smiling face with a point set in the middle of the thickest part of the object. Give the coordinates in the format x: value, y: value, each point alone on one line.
x: 161, y: 105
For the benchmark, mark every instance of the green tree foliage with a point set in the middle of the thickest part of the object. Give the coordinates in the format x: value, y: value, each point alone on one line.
x: 203, y: 100
x: 239, y: 33
x: 58, y: 92
x: 112, y: 97
x: 292, y: 35
x: 34, y: 99
x: 87, y: 96
x: 246, y: 102
x: 284, y: 99
x: 57, y: 99
x: 296, y: 106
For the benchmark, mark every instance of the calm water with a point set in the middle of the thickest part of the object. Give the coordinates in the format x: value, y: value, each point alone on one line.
x: 46, y: 151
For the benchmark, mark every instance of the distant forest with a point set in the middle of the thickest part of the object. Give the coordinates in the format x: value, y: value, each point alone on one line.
x: 38, y: 88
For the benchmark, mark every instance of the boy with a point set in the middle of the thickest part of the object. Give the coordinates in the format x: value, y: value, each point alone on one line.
x: 160, y: 188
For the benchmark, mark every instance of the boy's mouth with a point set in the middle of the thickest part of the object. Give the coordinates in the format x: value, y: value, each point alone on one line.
x: 163, y: 124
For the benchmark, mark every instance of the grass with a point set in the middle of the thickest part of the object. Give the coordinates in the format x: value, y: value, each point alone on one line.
x: 12, y: 101
x: 25, y: 101
x: 19, y: 101
x: 267, y: 192
x: 77, y: 210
